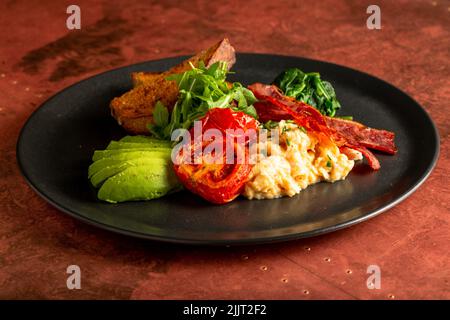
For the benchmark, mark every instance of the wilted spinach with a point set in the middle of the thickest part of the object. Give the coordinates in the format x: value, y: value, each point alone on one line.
x: 309, y: 88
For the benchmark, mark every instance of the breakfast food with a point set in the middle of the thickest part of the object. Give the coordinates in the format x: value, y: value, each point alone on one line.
x: 143, y: 78
x: 218, y: 181
x: 293, y: 163
x: 221, y: 140
x: 134, y: 109
x: 348, y: 135
x: 133, y: 168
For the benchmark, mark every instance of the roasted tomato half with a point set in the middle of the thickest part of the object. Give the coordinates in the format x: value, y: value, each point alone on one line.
x: 204, y: 165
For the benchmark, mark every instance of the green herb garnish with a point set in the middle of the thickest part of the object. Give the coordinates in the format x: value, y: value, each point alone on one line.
x: 270, y: 125
x: 329, y: 164
x: 201, y: 89
x: 285, y: 129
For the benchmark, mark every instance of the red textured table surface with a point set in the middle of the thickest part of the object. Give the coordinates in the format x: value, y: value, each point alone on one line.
x: 39, y: 56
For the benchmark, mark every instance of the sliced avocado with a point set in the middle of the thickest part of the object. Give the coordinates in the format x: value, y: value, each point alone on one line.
x: 139, y: 139
x: 143, y: 182
x: 113, y: 145
x: 99, y: 154
x: 105, y: 173
x: 104, y: 163
x: 108, y: 171
x: 126, y: 156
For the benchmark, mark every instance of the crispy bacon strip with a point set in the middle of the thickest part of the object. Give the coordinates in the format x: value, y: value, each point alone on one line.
x: 371, y: 159
x: 357, y: 133
x: 273, y: 105
x: 351, y: 154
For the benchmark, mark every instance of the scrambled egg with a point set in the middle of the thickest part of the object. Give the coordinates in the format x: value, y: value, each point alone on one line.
x: 296, y: 162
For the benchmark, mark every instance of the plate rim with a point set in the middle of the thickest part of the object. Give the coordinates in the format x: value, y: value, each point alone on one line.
x: 243, y: 241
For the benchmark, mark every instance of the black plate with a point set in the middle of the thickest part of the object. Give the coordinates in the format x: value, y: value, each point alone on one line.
x: 57, y: 142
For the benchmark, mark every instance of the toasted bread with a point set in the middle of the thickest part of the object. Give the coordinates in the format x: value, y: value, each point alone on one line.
x: 143, y: 78
x: 133, y: 110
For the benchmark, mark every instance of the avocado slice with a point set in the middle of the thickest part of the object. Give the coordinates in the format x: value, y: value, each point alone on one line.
x: 108, y: 171
x: 113, y: 145
x: 139, y: 139
x: 126, y: 156
x: 99, y: 154
x: 142, y: 182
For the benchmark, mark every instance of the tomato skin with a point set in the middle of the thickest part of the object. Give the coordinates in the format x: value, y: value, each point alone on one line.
x: 219, y: 193
x: 223, y: 119
x: 218, y: 183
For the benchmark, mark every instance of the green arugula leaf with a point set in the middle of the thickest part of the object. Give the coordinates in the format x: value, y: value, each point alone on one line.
x: 201, y: 89
x: 161, y: 115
